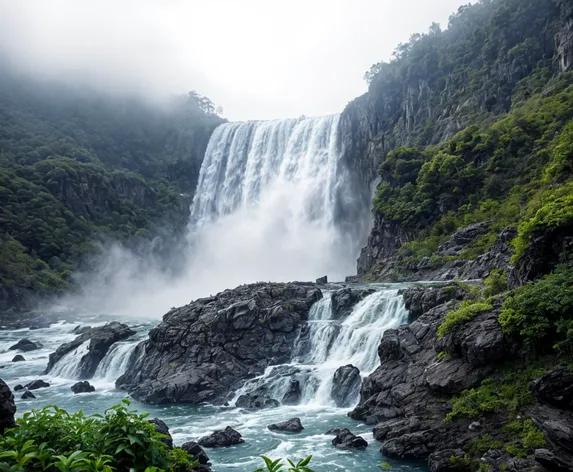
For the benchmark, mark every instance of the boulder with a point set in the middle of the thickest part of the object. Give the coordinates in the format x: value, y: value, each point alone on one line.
x: 18, y: 358
x: 344, y: 300
x: 290, y: 426
x: 322, y: 280
x: 256, y: 401
x: 202, y: 351
x: 7, y: 407
x: 293, y: 394
x: 221, y: 438
x: 27, y: 395
x: 18, y: 387
x: 162, y: 428
x: 82, y: 387
x: 347, y: 440
x: 79, y: 329
x: 345, y: 386
x: 196, y: 451
x: 555, y: 388
x: 36, y: 384
x: 25, y: 345
x: 463, y: 238
x: 100, y: 340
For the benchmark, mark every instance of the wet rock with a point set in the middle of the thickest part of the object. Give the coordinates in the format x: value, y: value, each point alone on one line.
x: 293, y: 394
x: 347, y: 440
x: 7, y: 407
x: 25, y: 345
x: 79, y: 329
x: 290, y: 426
x: 162, y: 428
x: 36, y: 384
x: 322, y: 280
x: 221, y: 438
x: 18, y: 358
x: 100, y: 340
x: 201, y: 351
x: 334, y: 431
x: 27, y: 395
x: 196, y: 451
x: 344, y: 300
x: 254, y: 401
x: 346, y: 386
x: 18, y: 387
x: 82, y: 387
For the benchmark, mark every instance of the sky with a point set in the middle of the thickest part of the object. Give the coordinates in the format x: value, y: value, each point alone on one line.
x: 258, y: 59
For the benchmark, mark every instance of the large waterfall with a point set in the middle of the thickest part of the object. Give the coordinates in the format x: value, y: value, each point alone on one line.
x: 267, y: 201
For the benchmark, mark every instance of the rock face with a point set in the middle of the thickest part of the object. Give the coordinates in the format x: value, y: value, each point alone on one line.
x: 200, y: 351
x: 290, y: 426
x: 345, y: 386
x: 36, y: 384
x: 344, y: 300
x: 222, y: 438
x: 419, y: 300
x: 82, y: 387
x: 554, y: 416
x: 7, y: 407
x: 100, y: 340
x: 25, y: 345
x: 346, y: 440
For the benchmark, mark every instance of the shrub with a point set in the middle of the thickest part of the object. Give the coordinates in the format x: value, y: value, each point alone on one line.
x: 495, y: 283
x: 466, y: 311
x: 542, y: 311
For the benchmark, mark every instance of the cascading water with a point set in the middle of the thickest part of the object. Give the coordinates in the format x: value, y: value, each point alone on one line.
x: 68, y: 365
x: 331, y: 344
x: 115, y: 362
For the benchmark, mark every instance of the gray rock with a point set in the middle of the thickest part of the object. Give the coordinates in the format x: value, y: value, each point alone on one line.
x: 36, y: 384
x: 344, y: 300
x: 7, y: 407
x: 290, y: 426
x: 462, y: 238
x: 201, y: 351
x: 196, y: 451
x: 440, y: 461
x: 18, y: 387
x: 347, y: 440
x: 82, y: 387
x: 293, y: 394
x: 322, y: 280
x: 256, y: 401
x: 345, y: 386
x: 100, y: 340
x: 162, y: 428
x: 18, y: 358
x: 27, y: 395
x: 222, y: 438
x: 25, y: 345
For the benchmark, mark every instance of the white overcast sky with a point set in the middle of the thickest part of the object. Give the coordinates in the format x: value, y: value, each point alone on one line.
x: 258, y: 59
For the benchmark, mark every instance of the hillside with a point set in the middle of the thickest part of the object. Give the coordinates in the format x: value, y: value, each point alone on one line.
x: 77, y: 167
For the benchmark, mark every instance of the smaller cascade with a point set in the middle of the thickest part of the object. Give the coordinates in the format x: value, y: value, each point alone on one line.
x: 115, y: 362
x: 67, y: 366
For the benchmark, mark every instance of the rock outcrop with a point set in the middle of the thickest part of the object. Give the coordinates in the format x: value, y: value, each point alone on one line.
x: 36, y: 384
x: 290, y: 426
x: 200, y: 351
x: 345, y: 385
x: 27, y: 395
x: 346, y: 440
x: 222, y: 438
x: 82, y: 387
x: 100, y: 340
x: 163, y: 429
x: 191, y: 447
x: 25, y: 345
x: 344, y: 300
x: 7, y: 407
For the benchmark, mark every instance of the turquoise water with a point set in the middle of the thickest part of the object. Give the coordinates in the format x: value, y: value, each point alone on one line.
x: 189, y: 422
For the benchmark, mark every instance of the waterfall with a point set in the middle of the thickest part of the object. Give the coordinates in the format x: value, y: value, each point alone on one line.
x: 267, y: 202
x: 68, y: 365
x: 332, y: 343
x: 115, y: 362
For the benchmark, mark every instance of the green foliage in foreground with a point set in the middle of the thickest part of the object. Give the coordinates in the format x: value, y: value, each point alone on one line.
x: 54, y: 440
x: 542, y: 312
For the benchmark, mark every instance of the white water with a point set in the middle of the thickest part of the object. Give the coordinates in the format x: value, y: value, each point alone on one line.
x: 333, y: 344
x: 68, y: 365
x: 115, y: 362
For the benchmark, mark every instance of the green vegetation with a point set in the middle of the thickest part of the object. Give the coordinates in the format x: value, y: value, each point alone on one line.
x: 466, y: 311
x: 495, y: 283
x: 77, y: 168
x: 541, y: 312
x: 54, y: 440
